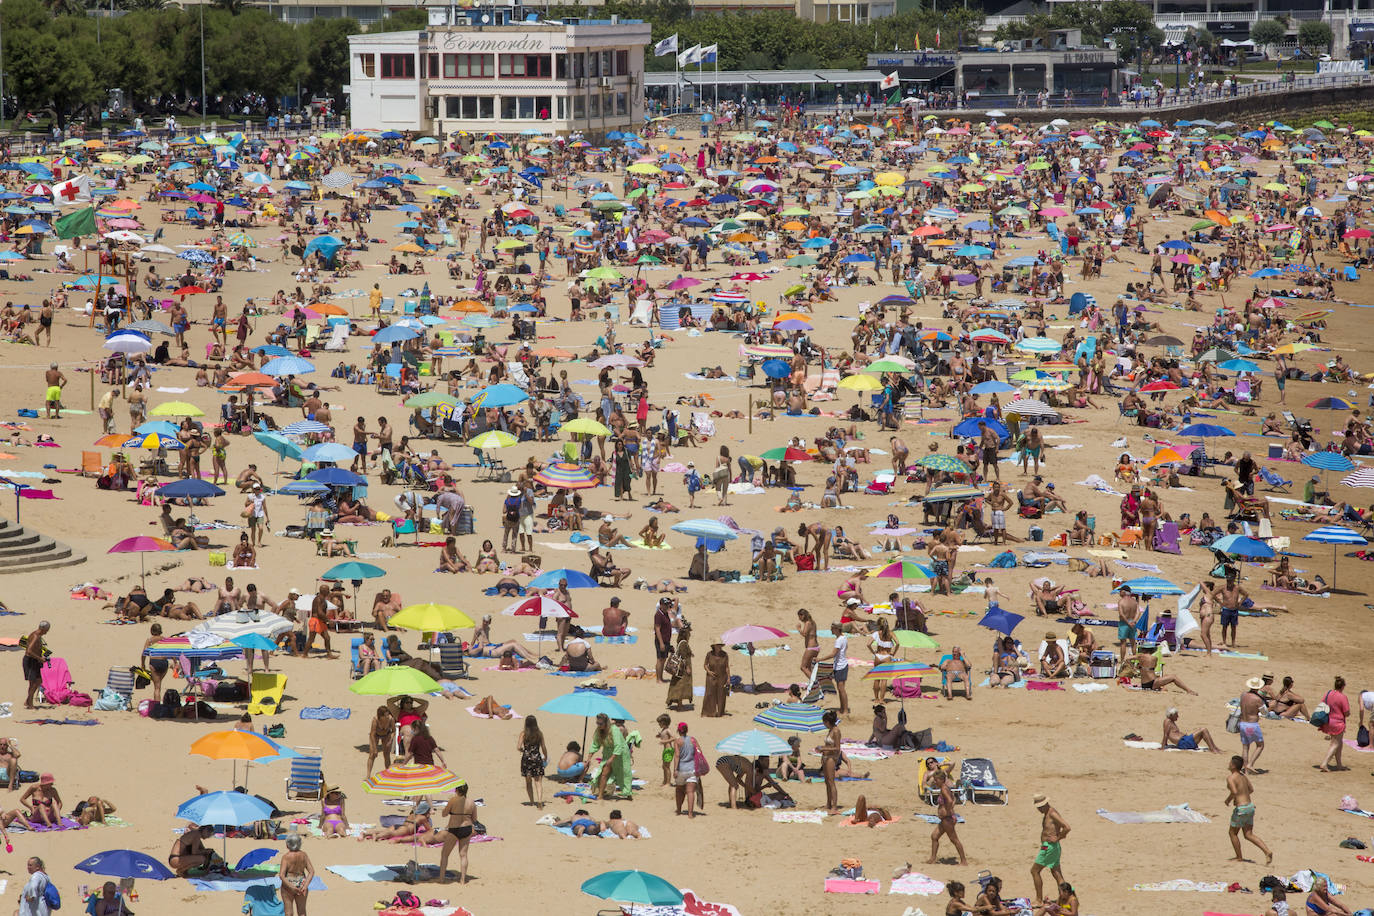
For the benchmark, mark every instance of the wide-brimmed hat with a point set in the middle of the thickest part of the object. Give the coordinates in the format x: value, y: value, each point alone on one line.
x: 1039, y: 801
x: 513, y: 491
x: 1255, y: 683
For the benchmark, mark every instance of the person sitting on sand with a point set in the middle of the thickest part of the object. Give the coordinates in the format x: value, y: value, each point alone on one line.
x: 577, y: 656
x: 1174, y: 736
x: 651, y: 535
x: 581, y: 824
x: 1321, y: 903
x: 333, y: 820
x: 1150, y: 679
x: 570, y: 765
x: 608, y: 536
x: 416, y: 824
x: 790, y: 765
x: 884, y: 735
x: 871, y: 815
x: 746, y: 777
x: 43, y: 801
x: 93, y: 810
x: 189, y: 852
x: 990, y: 902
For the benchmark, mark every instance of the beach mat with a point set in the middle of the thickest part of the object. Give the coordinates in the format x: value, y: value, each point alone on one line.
x: 1170, y: 814
x: 916, y: 883
x: 851, y: 886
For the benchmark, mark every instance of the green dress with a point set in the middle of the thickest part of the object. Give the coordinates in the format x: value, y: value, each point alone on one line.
x: 617, y: 757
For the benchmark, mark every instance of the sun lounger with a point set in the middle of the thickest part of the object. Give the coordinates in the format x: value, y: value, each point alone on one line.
x: 306, y: 780
x: 979, y: 777
x: 265, y: 693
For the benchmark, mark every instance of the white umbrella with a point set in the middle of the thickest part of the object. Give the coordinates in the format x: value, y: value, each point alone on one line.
x: 128, y: 344
x: 243, y: 623
x: 157, y: 249
x: 1364, y: 477
x: 1029, y: 407
x: 124, y: 235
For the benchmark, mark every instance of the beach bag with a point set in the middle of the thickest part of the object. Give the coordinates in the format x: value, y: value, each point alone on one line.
x: 702, y: 765
x: 1321, y: 715
x: 406, y: 900
x: 80, y: 699
x: 277, y: 731
x: 1362, y: 736
x: 805, y: 562
x: 672, y: 664
x: 145, y: 708
x: 1233, y: 721
x: 51, y: 897
x: 111, y: 700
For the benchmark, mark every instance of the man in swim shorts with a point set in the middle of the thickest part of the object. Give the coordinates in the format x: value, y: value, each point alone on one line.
x: 1251, y: 736
x: 1174, y: 736
x: 1053, y: 829
x: 1127, y: 610
x: 1243, y: 815
x: 52, y: 399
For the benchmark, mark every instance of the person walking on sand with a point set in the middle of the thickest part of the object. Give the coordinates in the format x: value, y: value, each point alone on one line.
x: 1243, y: 814
x: 944, y: 809
x: 1338, y: 710
x: 461, y: 813
x: 33, y: 661
x: 52, y: 399
x: 296, y: 874
x: 684, y: 768
x: 1053, y: 829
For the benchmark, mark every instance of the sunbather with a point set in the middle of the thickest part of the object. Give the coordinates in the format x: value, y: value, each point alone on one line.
x: 581, y: 824
x: 1174, y: 736
x: 873, y: 816
x: 416, y: 824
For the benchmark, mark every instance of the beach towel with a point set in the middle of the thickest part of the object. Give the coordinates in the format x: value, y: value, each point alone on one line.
x: 916, y: 883
x: 1355, y: 747
x: 241, y: 883
x: 65, y: 824
x: 934, y: 819
x: 628, y: 640
x: 605, y: 834
x: 1171, y: 814
x: 1090, y: 688
x: 1184, y: 884
x: 847, y: 820
x: 326, y: 712
x: 691, y: 905
x: 798, y: 817
x: 363, y: 873
x: 851, y: 886
x: 604, y: 691
x: 472, y: 711
x: 1228, y: 653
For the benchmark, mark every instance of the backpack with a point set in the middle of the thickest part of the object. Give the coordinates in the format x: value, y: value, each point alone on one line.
x: 51, y: 896
x: 511, y: 508
x: 1320, y: 715
x: 111, y: 700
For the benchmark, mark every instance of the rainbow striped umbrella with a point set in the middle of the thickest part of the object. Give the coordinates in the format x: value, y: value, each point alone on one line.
x: 897, y: 671
x: 903, y: 569
x: 176, y: 646
x: 796, y: 717
x: 410, y: 779
x: 566, y: 475
x: 947, y: 463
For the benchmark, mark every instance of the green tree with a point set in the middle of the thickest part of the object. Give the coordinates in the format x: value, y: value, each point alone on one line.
x: 1202, y: 38
x: 1267, y: 32
x: 402, y: 21
x: 326, y: 55
x: 1314, y: 36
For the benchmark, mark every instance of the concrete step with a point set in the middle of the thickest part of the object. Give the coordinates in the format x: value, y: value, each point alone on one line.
x: 25, y: 550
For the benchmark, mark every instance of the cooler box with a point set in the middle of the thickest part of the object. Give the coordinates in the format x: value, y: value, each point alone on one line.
x: 1275, y: 452
x: 1102, y: 664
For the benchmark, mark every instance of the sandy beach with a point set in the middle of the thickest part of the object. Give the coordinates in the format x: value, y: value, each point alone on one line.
x: 1063, y: 743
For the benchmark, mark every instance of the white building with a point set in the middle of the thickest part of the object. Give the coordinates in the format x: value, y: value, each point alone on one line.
x: 485, y: 71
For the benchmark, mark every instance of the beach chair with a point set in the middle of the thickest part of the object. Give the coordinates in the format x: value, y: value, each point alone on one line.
x: 452, y: 663
x: 944, y: 678
x: 821, y: 672
x: 121, y: 681
x: 979, y: 777
x: 91, y: 465
x: 928, y: 793
x: 265, y: 693
x: 306, y: 779
x: 388, y: 306
x: 1274, y: 482
x: 338, y: 338
x: 1166, y: 538
x: 355, y: 667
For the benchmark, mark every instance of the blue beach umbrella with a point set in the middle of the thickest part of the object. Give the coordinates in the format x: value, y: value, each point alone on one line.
x: 550, y: 579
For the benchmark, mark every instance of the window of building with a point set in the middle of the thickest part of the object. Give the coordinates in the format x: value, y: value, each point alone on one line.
x: 469, y: 66
x: 535, y: 66
x: 593, y: 64
x: 470, y: 107
x: 595, y: 108
x: 398, y: 66
x: 622, y: 101
x: 367, y: 65
x: 431, y: 66
x: 622, y: 62
x: 862, y: 15
x: 561, y: 104
x: 579, y: 66
x: 579, y: 107
x: 560, y: 66
x: 606, y: 62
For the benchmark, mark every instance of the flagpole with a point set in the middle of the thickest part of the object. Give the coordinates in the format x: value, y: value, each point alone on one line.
x: 677, y: 81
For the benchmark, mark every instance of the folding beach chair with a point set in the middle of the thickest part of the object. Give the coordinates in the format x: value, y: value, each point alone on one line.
x: 306, y: 780
x: 91, y: 464
x: 452, y: 664
x: 121, y: 681
x: 979, y: 777
x: 1166, y: 538
x: 355, y: 667
x: 265, y: 693
x: 821, y: 672
x: 928, y: 793
x: 1274, y: 482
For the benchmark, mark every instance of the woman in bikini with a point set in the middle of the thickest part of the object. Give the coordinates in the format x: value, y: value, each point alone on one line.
x: 333, y: 820
x: 872, y: 815
x: 417, y: 824
x: 296, y: 874
x: 43, y: 801
x: 462, y: 815
x: 883, y: 645
x: 811, y: 645
x: 381, y: 736
x: 487, y: 559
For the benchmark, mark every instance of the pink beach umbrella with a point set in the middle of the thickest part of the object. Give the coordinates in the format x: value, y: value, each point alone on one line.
x: 141, y: 545
x: 751, y: 633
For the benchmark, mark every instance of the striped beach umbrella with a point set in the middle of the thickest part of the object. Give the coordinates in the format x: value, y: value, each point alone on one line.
x: 1029, y: 407
x: 794, y: 717
x: 904, y: 568
x: 953, y: 492
x: 1045, y: 383
x: 1150, y: 586
x: 1328, y: 461
x: 1335, y: 535
x: 897, y: 671
x: 177, y: 646
x: 412, y: 779
x: 1364, y: 477
x: 754, y: 743
x: 566, y: 475
x: 1039, y: 345
x: 492, y: 438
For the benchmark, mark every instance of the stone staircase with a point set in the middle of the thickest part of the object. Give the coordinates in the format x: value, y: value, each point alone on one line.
x: 25, y: 550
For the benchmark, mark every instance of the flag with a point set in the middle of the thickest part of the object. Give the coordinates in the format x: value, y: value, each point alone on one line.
x: 666, y: 46
x: 76, y: 190
x: 917, y: 45
x: 82, y: 222
x: 895, y: 98
x: 690, y: 56
x: 890, y: 81
x: 709, y: 54
x: 937, y: 37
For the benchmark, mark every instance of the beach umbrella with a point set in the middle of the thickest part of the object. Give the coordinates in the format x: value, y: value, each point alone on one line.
x: 254, y: 642
x: 1335, y: 535
x: 586, y: 426
x: 128, y: 344
x: 431, y: 399
x: 551, y: 577
x: 1028, y: 407
x: 352, y: 570
x: 538, y: 606
x: 1326, y: 462
x: 914, y: 639
x: 1150, y: 586
x: 244, y: 623
x: 1239, y: 545
x: 899, y: 670
x: 786, y: 453
x: 142, y: 544
x: 394, y: 680
x: 860, y: 383
x: 1171, y: 455
x: 707, y: 528
x: 795, y: 717
x: 939, y: 462
x: 903, y: 569
x: 500, y: 395
x: 283, y: 366
x: 492, y: 438
x: 754, y: 743
x: 953, y: 493
x: 1331, y: 404
x: 177, y: 646
x: 233, y: 745
x: 1039, y: 345
x: 566, y: 475
x: 336, y: 477
x: 125, y: 863
x: 633, y: 887
x: 1000, y: 621
x: 1364, y: 477
x: 1204, y: 431
x: 992, y: 387
x: 332, y: 452
x: 431, y: 618
x: 409, y: 780
x: 176, y: 409
x: 228, y: 809
x: 189, y: 488
x: 586, y: 703
x: 750, y: 634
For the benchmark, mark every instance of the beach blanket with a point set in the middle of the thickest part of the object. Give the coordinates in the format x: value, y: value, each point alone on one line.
x: 1290, y: 591
x: 1229, y: 653
x: 629, y: 640
x: 916, y: 883
x: 794, y: 816
x: 605, y: 834
x: 1171, y: 814
x: 1358, y: 812
x: 1090, y: 688
x: 1183, y: 884
x: 326, y: 712
x: 66, y: 823
x: 1154, y: 746
x: 241, y: 883
x: 1355, y: 747
x: 363, y: 873
x: 851, y: 886
x: 691, y: 905
x: 58, y: 722
x: 1087, y: 621
x: 847, y: 820
x: 934, y: 819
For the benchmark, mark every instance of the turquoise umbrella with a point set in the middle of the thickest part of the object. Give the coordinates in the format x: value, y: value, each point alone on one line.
x: 632, y: 886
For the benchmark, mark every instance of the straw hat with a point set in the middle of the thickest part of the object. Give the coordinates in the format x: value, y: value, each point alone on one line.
x: 513, y: 491
x: 1040, y: 801
x: 1254, y: 683
x: 1050, y: 635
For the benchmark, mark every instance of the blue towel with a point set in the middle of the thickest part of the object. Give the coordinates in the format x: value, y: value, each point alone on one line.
x: 242, y: 884
x: 627, y: 640
x: 492, y: 591
x: 361, y: 873
x: 574, y: 673
x: 326, y: 712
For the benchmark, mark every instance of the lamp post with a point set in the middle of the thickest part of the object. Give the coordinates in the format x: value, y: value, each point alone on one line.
x: 202, y: 64
x: 1178, y: 56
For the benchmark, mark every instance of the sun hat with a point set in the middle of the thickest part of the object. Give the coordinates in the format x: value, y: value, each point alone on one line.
x: 1254, y: 683
x: 1039, y: 801
x: 513, y: 491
